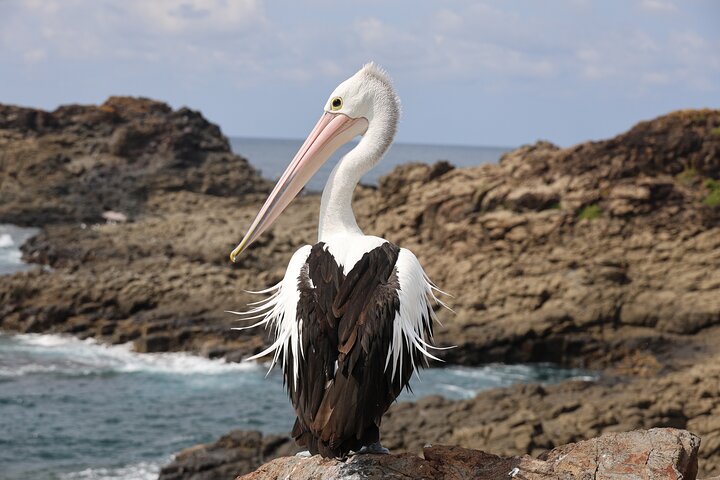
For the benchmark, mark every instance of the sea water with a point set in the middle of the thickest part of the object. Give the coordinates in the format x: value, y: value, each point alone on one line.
x: 76, y: 409
x: 272, y: 156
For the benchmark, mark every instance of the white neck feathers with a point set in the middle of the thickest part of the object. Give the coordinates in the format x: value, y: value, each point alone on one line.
x: 336, y: 215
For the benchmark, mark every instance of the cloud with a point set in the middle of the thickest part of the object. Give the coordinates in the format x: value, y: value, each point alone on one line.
x: 492, y: 43
x: 639, y: 59
x: 182, y: 16
x: 34, y: 56
x: 658, y: 6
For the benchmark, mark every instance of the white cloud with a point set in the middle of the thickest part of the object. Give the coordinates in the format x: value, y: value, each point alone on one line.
x: 447, y: 20
x: 186, y: 34
x: 640, y: 59
x: 657, y: 5
x: 492, y: 43
x: 179, y: 16
x: 34, y: 56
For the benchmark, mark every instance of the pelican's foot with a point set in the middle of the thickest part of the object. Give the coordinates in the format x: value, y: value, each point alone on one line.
x: 374, y: 448
x: 304, y: 454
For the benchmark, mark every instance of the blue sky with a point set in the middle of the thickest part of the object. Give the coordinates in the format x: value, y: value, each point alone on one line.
x: 503, y: 72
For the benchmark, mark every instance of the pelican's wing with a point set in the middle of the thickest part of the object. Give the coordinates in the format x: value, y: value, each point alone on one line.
x: 279, y: 311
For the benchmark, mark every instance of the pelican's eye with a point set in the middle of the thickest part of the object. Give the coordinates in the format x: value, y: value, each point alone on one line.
x: 336, y: 104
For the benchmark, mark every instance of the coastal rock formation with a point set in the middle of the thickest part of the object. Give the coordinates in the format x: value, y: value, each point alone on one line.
x: 653, y: 454
x: 604, y: 255
x: 153, y: 277
x: 237, y: 452
x: 586, y: 255
x: 75, y: 163
x: 532, y: 419
x: 553, y: 254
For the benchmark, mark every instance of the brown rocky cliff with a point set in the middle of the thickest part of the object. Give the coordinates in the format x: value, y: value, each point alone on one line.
x: 551, y: 247
x: 74, y: 163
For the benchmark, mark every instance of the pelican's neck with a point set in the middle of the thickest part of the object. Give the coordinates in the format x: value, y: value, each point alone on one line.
x: 336, y: 215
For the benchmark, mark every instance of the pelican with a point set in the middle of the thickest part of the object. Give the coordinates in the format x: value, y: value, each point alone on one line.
x: 352, y: 315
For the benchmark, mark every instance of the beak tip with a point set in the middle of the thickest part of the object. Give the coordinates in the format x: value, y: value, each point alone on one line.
x: 240, y: 248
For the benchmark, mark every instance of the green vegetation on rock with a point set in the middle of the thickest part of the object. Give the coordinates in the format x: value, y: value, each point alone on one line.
x: 687, y: 176
x: 590, y: 212
x: 713, y: 198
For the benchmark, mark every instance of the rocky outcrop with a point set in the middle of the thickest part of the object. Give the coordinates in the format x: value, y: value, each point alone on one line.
x: 599, y: 255
x: 586, y: 255
x: 237, y: 452
x: 533, y: 419
x: 652, y: 454
x: 135, y: 199
x: 602, y: 255
x: 75, y: 163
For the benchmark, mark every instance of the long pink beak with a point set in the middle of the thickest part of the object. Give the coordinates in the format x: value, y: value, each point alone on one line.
x: 332, y: 131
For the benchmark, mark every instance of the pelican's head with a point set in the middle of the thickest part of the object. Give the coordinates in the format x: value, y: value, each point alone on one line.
x: 364, y: 104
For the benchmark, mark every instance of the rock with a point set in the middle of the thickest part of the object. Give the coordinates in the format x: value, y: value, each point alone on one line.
x: 653, y: 454
x: 238, y: 451
x: 79, y: 162
x: 602, y: 255
x: 660, y: 453
x: 555, y: 250
x: 530, y: 419
x: 531, y: 281
x: 539, y: 197
x: 117, y: 217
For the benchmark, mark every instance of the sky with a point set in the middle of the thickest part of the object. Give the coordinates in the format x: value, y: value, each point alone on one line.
x: 469, y: 72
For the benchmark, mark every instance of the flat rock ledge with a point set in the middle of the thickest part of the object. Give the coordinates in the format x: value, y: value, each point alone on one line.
x: 659, y: 453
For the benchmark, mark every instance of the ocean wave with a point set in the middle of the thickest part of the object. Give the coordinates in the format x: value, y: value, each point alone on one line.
x: 6, y: 240
x: 138, y: 471
x: 458, y: 391
x: 19, y: 371
x: 61, y: 354
x: 11, y: 237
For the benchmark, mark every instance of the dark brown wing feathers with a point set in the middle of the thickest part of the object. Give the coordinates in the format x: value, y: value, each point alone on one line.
x: 343, y: 389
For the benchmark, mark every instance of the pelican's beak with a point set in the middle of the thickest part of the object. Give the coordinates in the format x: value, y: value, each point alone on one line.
x: 332, y: 131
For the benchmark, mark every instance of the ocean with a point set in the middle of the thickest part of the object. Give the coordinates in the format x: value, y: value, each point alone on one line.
x: 74, y: 409
x: 271, y: 156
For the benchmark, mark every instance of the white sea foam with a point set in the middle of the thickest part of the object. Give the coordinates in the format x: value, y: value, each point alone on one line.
x: 11, y: 237
x: 19, y: 371
x: 138, y: 471
x: 6, y: 240
x: 457, y: 390
x: 69, y: 355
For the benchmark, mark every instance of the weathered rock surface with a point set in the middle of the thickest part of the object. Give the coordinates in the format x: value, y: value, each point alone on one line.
x: 238, y: 451
x: 532, y: 419
x: 75, y: 163
x: 582, y: 255
x: 606, y: 255
x: 655, y: 454
x: 543, y: 262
